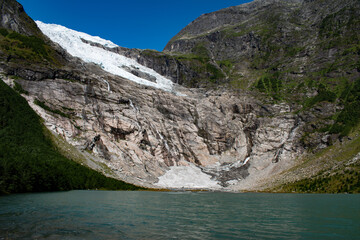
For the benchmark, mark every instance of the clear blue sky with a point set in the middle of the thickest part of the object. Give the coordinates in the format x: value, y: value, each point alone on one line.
x: 144, y: 24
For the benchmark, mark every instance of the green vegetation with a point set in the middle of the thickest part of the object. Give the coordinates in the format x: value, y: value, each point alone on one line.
x: 19, y: 89
x: 271, y: 85
x: 349, y: 117
x: 28, y: 160
x: 338, y: 169
x: 215, y: 73
x: 200, y: 50
x: 340, y: 28
x: 190, y: 57
x: 206, y: 73
x: 346, y: 180
x: 323, y: 95
x: 30, y: 49
x: 239, y: 83
x: 47, y: 108
x: 33, y: 43
x: 4, y: 32
x: 225, y: 64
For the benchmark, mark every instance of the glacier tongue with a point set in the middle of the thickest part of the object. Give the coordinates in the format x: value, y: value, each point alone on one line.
x: 111, y: 62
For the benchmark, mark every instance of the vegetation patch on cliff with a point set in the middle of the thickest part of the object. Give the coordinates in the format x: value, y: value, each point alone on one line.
x: 271, y: 85
x: 349, y: 117
x: 19, y: 48
x: 47, y: 108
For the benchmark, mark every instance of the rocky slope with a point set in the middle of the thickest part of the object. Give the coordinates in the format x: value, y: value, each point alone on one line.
x: 140, y: 132
x: 13, y: 17
x: 240, y: 138
x: 298, y: 52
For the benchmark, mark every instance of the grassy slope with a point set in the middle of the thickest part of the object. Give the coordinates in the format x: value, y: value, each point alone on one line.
x: 27, y: 51
x: 335, y: 169
x: 28, y: 160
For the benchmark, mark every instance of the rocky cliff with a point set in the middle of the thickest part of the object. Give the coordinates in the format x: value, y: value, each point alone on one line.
x: 271, y: 97
x: 13, y: 17
x: 304, y: 53
x: 237, y: 45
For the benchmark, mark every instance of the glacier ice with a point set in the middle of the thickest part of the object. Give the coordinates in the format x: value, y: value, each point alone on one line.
x: 111, y: 62
x: 190, y: 177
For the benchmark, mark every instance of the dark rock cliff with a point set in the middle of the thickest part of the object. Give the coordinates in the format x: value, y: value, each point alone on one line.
x: 13, y: 16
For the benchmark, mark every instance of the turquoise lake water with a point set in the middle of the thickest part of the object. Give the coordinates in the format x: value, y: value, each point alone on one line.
x: 178, y: 215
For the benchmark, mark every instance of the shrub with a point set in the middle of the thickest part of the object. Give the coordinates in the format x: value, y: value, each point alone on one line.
x: 270, y: 84
x: 47, y: 108
x: 19, y: 89
x: 34, y: 43
x: 349, y: 117
x: 323, y: 95
x: 4, y: 32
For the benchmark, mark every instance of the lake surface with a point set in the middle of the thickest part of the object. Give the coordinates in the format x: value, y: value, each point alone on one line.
x: 178, y: 215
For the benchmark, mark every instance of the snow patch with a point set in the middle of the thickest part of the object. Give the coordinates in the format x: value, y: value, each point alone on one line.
x: 187, y: 177
x: 111, y: 62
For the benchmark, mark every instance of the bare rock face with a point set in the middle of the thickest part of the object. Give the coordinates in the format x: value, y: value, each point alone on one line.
x: 140, y: 133
x: 13, y: 16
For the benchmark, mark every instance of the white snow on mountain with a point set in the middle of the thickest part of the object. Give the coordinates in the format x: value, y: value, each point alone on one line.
x: 190, y: 177
x: 111, y: 62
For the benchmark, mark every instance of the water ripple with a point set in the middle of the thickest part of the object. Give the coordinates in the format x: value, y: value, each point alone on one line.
x: 160, y: 215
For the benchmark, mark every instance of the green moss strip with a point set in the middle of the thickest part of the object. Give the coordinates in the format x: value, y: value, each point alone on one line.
x: 47, y: 108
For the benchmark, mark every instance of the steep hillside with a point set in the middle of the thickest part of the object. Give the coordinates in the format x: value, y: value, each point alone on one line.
x: 28, y: 159
x: 14, y: 17
x: 304, y: 53
x: 292, y: 39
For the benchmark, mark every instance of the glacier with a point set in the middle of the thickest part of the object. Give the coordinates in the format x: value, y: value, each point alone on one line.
x: 111, y: 62
x: 189, y: 177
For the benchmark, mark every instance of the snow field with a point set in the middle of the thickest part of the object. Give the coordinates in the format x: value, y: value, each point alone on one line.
x: 111, y: 62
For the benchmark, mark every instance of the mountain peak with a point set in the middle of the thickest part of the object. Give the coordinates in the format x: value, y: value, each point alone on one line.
x: 14, y: 17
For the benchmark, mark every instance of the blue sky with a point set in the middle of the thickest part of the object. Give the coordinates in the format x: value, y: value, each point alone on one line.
x: 144, y: 24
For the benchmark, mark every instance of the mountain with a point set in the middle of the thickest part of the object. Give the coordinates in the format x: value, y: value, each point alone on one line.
x: 29, y: 160
x: 261, y: 96
x: 14, y: 17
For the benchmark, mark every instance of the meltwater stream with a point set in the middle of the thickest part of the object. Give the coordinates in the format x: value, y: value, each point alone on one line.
x: 178, y: 215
